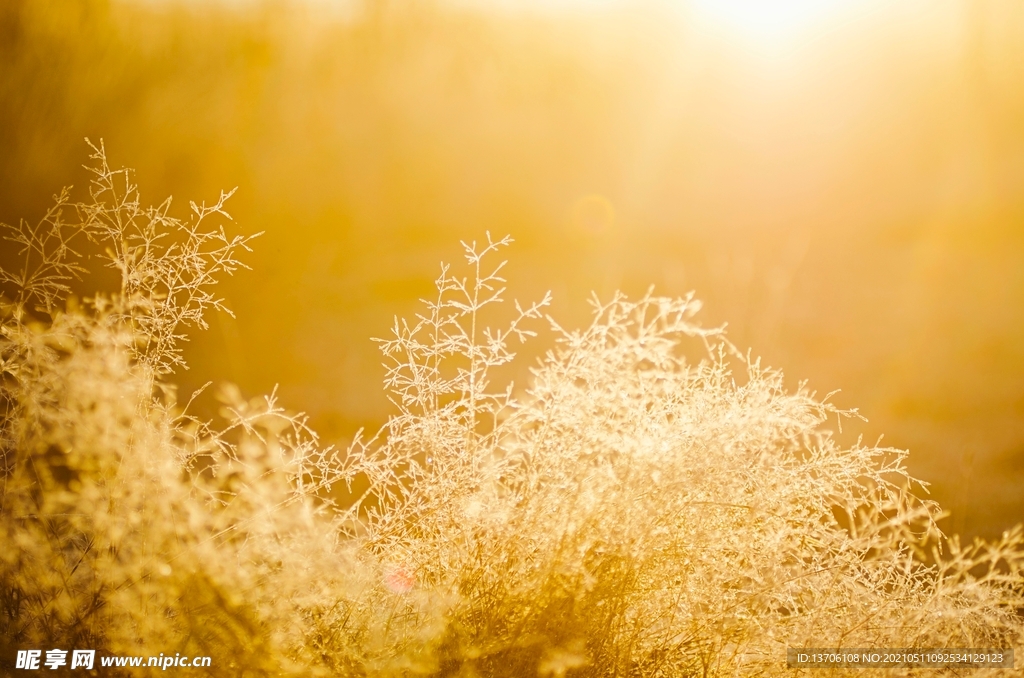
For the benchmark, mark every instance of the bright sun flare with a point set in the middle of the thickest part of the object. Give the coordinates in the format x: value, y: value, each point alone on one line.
x: 769, y: 21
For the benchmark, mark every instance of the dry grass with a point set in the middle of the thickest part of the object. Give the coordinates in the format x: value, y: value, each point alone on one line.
x: 655, y: 504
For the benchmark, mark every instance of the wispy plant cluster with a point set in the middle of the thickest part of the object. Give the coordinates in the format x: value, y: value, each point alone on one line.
x: 167, y: 266
x: 654, y: 503
x: 130, y: 526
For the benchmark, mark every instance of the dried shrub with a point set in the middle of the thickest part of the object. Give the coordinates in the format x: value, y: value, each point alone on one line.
x: 654, y: 504
x: 642, y: 512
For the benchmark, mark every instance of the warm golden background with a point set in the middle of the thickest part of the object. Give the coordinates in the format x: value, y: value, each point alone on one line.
x: 843, y: 182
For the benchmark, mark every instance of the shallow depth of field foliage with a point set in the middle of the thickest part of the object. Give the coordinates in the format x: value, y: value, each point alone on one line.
x: 845, y: 194
x: 654, y: 503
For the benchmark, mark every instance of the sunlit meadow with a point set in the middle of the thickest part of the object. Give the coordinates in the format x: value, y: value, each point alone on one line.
x: 574, y: 467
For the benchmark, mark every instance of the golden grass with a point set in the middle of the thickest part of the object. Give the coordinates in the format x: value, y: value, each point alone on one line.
x: 654, y: 504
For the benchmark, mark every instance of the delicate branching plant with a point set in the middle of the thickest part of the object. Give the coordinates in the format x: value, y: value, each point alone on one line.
x: 655, y: 503
x: 133, y: 526
x: 450, y: 421
x: 48, y: 261
x: 167, y: 266
x: 642, y: 513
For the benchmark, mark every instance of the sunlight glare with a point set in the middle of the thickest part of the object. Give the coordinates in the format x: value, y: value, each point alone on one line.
x: 768, y: 22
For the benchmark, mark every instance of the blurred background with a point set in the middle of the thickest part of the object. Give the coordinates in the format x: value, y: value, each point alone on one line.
x: 841, y: 181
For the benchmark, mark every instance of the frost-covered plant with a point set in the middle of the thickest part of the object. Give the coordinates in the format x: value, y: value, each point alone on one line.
x: 639, y: 512
x: 130, y: 527
x: 654, y: 504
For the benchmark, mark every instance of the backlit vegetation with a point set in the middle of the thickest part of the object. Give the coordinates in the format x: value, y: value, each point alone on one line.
x: 655, y: 503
